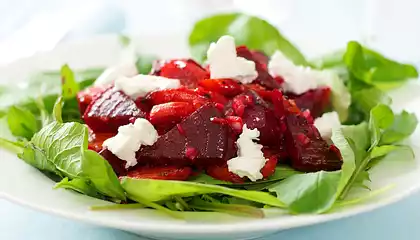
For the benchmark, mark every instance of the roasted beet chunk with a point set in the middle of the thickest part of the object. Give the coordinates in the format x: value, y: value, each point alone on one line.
x: 117, y: 164
x: 264, y: 78
x: 317, y: 101
x: 186, y: 70
x: 194, y: 141
x: 257, y: 113
x: 160, y: 173
x: 227, y: 87
x: 111, y: 110
x: 85, y: 97
x: 307, y: 150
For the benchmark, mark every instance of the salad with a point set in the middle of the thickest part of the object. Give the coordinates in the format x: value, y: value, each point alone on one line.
x: 247, y: 123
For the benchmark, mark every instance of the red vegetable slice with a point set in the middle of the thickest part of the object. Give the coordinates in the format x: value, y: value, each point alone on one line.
x: 187, y: 71
x: 85, y: 97
x: 166, y: 115
x: 177, y: 95
x: 111, y: 110
x: 307, y: 150
x: 227, y: 87
x: 317, y: 101
x: 210, y: 140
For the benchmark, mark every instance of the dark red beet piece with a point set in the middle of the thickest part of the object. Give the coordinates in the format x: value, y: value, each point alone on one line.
x: 211, y: 141
x: 111, y: 110
x: 257, y: 113
x: 117, y: 164
x: 160, y: 173
x: 307, y: 150
x: 187, y: 71
x: 317, y: 101
x: 85, y: 97
x: 264, y: 78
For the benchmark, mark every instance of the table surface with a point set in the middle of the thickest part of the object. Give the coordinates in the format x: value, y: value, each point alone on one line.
x: 389, y: 22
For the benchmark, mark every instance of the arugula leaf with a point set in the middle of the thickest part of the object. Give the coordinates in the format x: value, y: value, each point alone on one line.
x: 157, y: 190
x: 79, y: 185
x: 22, y: 123
x: 348, y: 156
x: 70, y: 87
x: 206, y: 179
x: 403, y: 126
x: 374, y: 69
x: 101, y: 174
x: 381, y: 117
x: 62, y: 144
x: 247, y: 30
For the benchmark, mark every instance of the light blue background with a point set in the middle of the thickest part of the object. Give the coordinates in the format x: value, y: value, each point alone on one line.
x: 386, y: 22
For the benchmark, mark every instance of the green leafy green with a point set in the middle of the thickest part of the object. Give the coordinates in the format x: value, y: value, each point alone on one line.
x: 309, y: 192
x: 101, y: 174
x: 340, y: 95
x: 368, y: 98
x: 157, y: 190
x: 79, y: 185
x: 234, y: 209
x: 57, y: 110
x: 403, y: 126
x: 251, y: 31
x: 22, y: 123
x: 62, y: 144
x: 144, y: 63
x: 70, y: 87
x: 34, y: 156
x: 374, y: 69
x: 381, y: 117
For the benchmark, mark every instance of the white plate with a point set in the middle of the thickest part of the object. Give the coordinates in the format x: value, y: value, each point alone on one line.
x: 23, y: 184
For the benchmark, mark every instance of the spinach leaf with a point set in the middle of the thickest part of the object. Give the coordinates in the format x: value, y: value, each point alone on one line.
x: 309, y: 192
x: 79, y: 185
x: 374, y: 69
x: 21, y: 122
x: 368, y: 98
x: 62, y: 144
x: 381, y: 117
x: 157, y: 190
x: 247, y: 30
x: 403, y: 126
x: 348, y: 156
x: 34, y: 156
x: 101, y: 174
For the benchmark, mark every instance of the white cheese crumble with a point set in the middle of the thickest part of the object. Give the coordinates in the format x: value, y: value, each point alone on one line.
x: 297, y: 79
x: 250, y: 158
x: 125, y: 68
x: 326, y: 123
x: 224, y: 62
x: 140, y: 85
x: 130, y: 138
